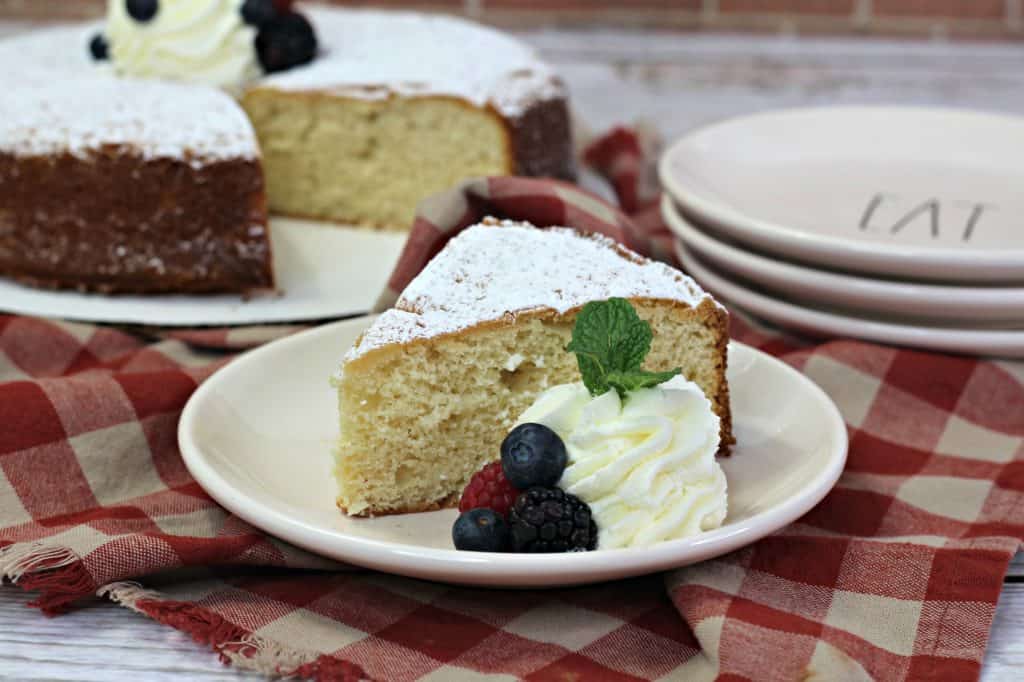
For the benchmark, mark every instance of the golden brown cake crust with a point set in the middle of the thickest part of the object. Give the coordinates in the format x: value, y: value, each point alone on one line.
x: 718, y: 319
x: 540, y: 140
x: 113, y: 221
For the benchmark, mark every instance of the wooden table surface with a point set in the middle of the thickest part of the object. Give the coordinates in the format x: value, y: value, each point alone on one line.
x: 674, y: 82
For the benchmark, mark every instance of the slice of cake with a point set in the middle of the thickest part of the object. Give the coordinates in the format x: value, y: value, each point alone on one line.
x: 399, y: 106
x: 118, y: 185
x: 429, y: 391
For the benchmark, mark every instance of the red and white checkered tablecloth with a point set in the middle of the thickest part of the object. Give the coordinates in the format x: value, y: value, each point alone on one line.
x: 894, y: 576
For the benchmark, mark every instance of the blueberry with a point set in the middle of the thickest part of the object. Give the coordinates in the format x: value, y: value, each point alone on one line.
x: 258, y: 12
x: 285, y: 42
x: 142, y: 10
x: 99, y: 48
x: 480, y: 530
x: 533, y: 455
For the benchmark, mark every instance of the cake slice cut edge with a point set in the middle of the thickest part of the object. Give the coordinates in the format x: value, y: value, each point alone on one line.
x: 431, y: 388
x: 458, y: 101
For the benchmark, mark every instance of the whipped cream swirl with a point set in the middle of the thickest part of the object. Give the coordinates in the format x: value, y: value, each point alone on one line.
x: 202, y: 41
x: 646, y: 465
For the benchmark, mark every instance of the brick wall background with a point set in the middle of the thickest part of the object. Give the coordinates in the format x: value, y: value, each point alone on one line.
x: 998, y: 19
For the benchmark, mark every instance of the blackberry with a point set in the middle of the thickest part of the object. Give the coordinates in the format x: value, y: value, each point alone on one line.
x: 551, y: 520
x: 258, y: 12
x: 285, y: 42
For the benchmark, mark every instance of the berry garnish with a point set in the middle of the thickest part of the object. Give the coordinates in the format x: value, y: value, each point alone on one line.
x: 286, y: 41
x: 99, y: 48
x: 142, y: 10
x: 551, y: 520
x: 258, y: 12
x: 533, y: 455
x: 489, y: 489
x: 480, y: 530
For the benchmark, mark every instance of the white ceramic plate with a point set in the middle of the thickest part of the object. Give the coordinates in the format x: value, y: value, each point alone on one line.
x: 907, y: 192
x: 997, y: 306
x: 988, y: 342
x: 258, y: 435
x: 322, y: 270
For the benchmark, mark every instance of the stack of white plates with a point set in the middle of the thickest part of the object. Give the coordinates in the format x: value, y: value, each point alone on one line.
x: 895, y: 225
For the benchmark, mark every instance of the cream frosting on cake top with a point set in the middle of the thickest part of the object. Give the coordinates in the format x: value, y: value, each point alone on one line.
x: 202, y: 41
x: 371, y: 54
x: 498, y: 269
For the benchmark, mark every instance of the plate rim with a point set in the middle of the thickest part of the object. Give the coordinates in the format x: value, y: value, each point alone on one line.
x: 926, y: 262
x: 209, y: 311
x: 767, y: 271
x: 1001, y: 343
x: 497, y: 569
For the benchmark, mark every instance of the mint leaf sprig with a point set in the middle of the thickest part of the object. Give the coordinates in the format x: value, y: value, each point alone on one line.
x: 610, y: 342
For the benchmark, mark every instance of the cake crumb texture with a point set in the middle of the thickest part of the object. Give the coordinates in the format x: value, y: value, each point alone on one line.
x: 327, y: 157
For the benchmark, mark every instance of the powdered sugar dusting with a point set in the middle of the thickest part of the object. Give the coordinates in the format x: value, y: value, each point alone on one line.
x: 61, y: 52
x: 154, y: 119
x: 501, y: 268
x: 373, y: 54
x: 59, y: 101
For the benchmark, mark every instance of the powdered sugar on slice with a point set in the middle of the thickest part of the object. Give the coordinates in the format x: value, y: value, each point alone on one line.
x: 501, y: 268
x: 59, y: 101
x: 373, y: 54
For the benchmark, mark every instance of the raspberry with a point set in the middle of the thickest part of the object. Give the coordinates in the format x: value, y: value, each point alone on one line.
x: 551, y: 520
x: 489, y: 489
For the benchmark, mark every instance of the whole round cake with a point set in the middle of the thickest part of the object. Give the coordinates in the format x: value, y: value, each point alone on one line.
x: 143, y: 154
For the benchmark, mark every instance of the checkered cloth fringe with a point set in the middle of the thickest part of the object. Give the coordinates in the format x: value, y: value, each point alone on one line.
x: 894, y: 576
